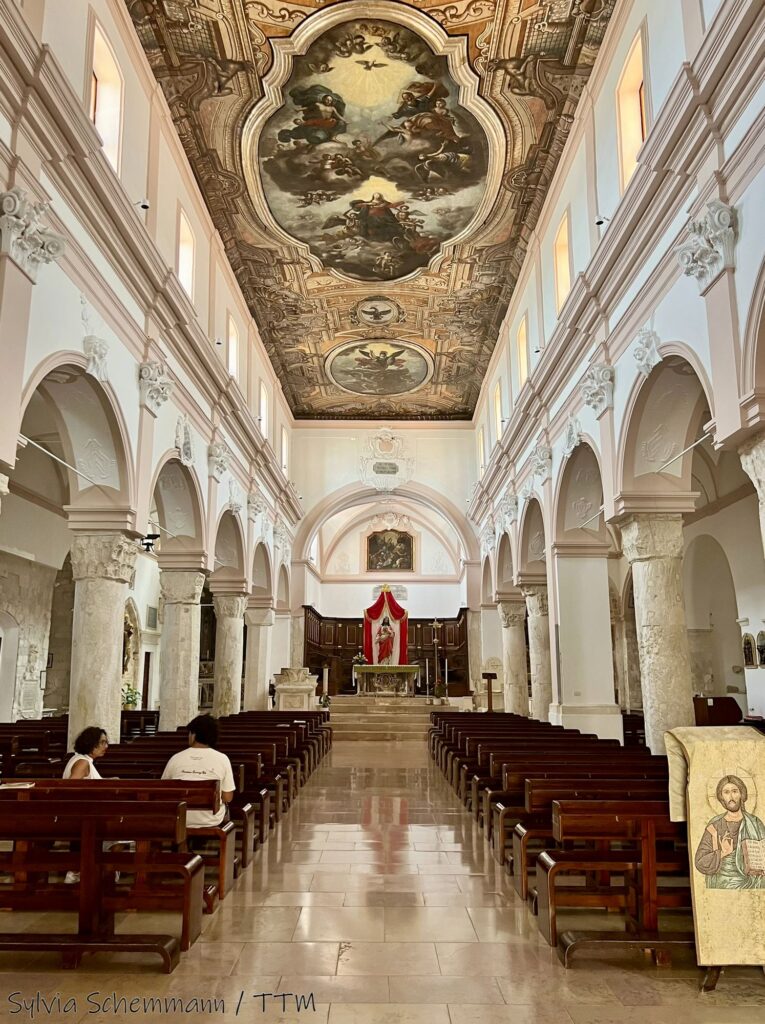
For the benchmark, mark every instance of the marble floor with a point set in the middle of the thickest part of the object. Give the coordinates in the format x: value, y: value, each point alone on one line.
x: 375, y: 902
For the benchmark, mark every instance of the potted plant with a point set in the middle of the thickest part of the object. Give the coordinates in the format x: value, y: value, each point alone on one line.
x: 440, y: 691
x: 325, y: 700
x: 130, y: 698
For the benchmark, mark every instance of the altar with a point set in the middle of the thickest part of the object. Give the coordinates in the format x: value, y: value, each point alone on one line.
x: 393, y: 680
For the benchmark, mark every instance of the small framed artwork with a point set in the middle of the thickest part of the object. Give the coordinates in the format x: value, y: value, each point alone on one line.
x: 390, y: 550
x: 151, y: 617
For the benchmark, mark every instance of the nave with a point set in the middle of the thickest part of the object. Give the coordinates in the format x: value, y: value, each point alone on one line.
x: 378, y: 894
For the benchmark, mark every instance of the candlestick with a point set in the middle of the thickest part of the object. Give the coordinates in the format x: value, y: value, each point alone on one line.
x: 325, y: 680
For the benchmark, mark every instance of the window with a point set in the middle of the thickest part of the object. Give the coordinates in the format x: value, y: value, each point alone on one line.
x: 481, y: 452
x: 106, y: 97
x: 185, y: 255
x: 498, y: 409
x: 285, y: 451
x: 522, y: 351
x: 263, y: 410
x: 233, y: 347
x: 631, y: 112
x: 562, y: 259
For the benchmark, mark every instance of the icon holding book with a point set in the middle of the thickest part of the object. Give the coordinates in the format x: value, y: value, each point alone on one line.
x: 731, y: 853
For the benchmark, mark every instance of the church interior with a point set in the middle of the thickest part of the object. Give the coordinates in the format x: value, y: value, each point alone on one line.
x: 383, y: 380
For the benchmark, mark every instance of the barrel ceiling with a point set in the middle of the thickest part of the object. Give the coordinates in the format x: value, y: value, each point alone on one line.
x: 375, y: 170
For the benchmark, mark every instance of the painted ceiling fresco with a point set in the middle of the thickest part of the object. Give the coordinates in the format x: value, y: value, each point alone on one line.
x: 375, y: 170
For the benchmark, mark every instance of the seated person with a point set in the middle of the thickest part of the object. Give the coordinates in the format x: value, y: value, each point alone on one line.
x: 201, y: 761
x: 90, y: 744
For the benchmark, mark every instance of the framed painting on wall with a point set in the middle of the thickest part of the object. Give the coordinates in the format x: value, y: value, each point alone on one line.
x: 390, y: 551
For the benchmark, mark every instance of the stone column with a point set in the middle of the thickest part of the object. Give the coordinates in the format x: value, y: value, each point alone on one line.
x: 3, y: 489
x: 229, y: 653
x: 512, y: 614
x: 539, y: 651
x: 179, y: 647
x: 103, y: 565
x: 257, y: 666
x: 752, y: 454
x: 653, y: 544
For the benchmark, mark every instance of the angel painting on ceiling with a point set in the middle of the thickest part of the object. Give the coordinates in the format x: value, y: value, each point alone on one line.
x: 379, y: 118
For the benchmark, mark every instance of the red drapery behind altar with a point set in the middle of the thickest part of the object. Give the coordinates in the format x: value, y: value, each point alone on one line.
x: 386, y: 604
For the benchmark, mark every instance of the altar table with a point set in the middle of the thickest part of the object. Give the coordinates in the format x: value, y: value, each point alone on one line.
x: 395, y: 680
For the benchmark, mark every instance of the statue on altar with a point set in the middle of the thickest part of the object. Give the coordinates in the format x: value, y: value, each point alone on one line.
x: 384, y: 639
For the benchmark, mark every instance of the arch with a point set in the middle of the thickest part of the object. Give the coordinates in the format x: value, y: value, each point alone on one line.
x: 753, y: 348
x: 578, y: 498
x: 664, y: 416
x: 487, y: 582
x: 9, y: 653
x: 262, y: 576
x: 229, y: 550
x: 71, y: 410
x: 532, y: 547
x: 352, y: 494
x: 711, y: 612
x: 505, y: 569
x: 283, y: 589
x: 178, y: 509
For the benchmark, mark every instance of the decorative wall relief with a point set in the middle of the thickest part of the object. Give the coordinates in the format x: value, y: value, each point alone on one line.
x: 218, y: 458
x: 377, y: 311
x: 541, y: 462
x: 597, y: 388
x: 95, y: 462
x: 23, y: 236
x: 710, y: 247
x: 572, y: 437
x: 488, y: 536
x: 256, y: 505
x: 155, y: 385
x: 646, y: 351
x: 183, y: 441
x: 234, y: 497
x: 386, y: 462
x: 508, y: 511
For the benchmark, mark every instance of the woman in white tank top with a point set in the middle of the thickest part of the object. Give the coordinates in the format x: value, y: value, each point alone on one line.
x: 90, y: 744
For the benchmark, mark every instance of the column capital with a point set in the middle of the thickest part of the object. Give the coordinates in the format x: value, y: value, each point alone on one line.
x: 229, y: 606
x: 752, y: 454
x: 536, y: 600
x: 4, y: 481
x: 647, y: 535
x: 512, y: 613
x: 259, y: 617
x: 180, y: 586
x: 23, y: 236
x: 105, y: 556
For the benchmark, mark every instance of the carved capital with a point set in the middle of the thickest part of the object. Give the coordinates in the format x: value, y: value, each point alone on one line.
x: 597, y: 388
x: 512, y: 614
x: 181, y: 586
x: 646, y: 350
x: 155, y: 384
x: 103, y: 556
x: 536, y: 601
x: 229, y: 606
x: 752, y: 454
x: 259, y: 618
x: 23, y: 236
x: 218, y: 458
x: 711, y: 243
x: 648, y: 536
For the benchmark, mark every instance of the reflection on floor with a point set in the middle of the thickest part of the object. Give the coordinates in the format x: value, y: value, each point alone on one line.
x: 377, y: 897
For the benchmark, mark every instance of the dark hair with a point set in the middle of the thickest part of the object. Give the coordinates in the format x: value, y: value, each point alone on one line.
x: 734, y: 780
x: 89, y: 739
x: 205, y: 729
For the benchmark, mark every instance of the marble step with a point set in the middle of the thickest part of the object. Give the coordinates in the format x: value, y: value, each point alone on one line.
x: 389, y: 735
x: 361, y: 723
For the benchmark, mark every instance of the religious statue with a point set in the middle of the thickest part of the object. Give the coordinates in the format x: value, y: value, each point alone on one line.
x: 384, y: 638
x: 732, y: 850
x: 127, y: 636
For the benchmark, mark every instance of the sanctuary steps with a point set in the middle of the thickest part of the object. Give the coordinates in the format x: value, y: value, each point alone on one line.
x: 380, y: 718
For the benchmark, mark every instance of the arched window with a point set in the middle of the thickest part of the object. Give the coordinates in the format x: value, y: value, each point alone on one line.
x: 522, y: 351
x: 498, y: 424
x: 562, y: 260
x: 233, y: 347
x: 285, y: 451
x: 631, y: 112
x: 185, y: 258
x: 263, y: 409
x: 481, y: 452
x: 106, y: 89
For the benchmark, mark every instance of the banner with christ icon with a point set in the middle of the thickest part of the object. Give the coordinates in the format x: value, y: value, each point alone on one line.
x: 385, y: 631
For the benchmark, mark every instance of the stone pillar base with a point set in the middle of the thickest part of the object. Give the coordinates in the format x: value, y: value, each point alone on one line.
x: 605, y: 720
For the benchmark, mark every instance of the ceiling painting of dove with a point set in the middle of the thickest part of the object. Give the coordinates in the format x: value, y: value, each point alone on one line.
x: 375, y: 170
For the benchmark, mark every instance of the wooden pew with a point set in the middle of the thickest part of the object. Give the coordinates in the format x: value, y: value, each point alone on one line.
x: 36, y: 825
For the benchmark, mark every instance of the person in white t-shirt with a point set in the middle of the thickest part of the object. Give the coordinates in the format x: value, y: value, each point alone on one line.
x: 201, y: 761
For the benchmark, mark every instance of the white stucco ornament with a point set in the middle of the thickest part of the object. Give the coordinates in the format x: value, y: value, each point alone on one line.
x: 3, y: 488
x: 508, y: 510
x: 572, y: 437
x: 234, y: 497
x: 541, y: 462
x: 488, y: 536
x: 218, y: 458
x: 255, y: 505
x: 711, y: 243
x: 23, y: 236
x: 597, y: 388
x: 386, y: 462
x: 155, y: 385
x: 646, y: 350
x: 183, y: 441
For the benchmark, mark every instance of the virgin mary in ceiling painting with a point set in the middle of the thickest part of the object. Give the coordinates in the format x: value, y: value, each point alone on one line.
x: 371, y: 160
